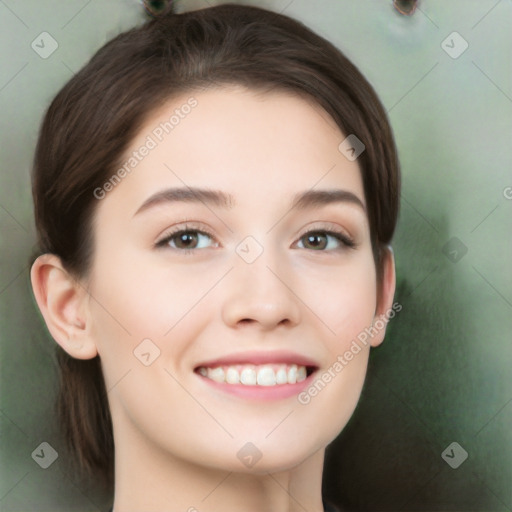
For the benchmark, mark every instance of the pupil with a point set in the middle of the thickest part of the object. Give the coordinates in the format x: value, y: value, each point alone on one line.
x: 313, y: 238
x: 186, y: 238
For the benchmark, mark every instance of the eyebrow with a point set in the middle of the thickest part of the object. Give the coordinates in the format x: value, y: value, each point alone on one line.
x: 301, y: 201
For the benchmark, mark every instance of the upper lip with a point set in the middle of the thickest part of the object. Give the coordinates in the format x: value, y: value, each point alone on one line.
x: 258, y: 358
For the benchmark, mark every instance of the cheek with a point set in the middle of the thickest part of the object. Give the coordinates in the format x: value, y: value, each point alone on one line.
x: 345, y: 302
x: 342, y: 297
x: 146, y: 299
x: 134, y: 301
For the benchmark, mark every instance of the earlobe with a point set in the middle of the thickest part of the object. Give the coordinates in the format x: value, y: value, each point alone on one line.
x: 63, y: 304
x: 386, y: 293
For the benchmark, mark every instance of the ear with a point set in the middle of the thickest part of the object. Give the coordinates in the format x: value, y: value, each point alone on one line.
x: 386, y: 293
x: 63, y: 303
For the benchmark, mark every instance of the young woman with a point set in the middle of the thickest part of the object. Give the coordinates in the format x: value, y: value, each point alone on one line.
x: 215, y: 194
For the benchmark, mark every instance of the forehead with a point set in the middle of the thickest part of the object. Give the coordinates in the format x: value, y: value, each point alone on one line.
x: 255, y: 146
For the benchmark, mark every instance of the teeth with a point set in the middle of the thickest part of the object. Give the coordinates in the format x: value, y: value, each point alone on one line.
x: 216, y: 374
x: 232, y: 376
x: 292, y: 374
x: 281, y: 376
x: 250, y: 375
x: 266, y: 376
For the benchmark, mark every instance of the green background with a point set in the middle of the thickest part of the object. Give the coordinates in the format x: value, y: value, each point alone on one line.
x: 443, y: 373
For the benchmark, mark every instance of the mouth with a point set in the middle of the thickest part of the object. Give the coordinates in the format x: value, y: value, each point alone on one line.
x: 266, y: 375
x: 258, y: 375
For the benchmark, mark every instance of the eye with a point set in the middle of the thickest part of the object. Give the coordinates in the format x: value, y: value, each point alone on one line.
x: 319, y: 240
x: 184, y: 239
x: 187, y: 239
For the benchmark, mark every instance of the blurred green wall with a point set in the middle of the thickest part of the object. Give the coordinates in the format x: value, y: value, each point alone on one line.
x: 443, y: 374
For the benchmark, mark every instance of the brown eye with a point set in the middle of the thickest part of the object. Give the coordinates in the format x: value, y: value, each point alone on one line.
x: 185, y: 239
x: 320, y: 240
x: 315, y: 241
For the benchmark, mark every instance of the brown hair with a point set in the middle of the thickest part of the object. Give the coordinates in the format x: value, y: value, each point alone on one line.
x: 96, y: 115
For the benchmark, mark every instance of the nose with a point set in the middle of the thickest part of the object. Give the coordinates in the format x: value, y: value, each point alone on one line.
x: 260, y: 293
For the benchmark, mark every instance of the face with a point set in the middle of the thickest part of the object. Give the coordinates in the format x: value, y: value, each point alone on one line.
x: 257, y: 274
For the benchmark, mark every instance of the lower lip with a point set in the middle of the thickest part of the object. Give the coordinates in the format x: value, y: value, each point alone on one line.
x: 277, y: 392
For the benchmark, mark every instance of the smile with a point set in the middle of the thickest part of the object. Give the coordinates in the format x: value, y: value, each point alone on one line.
x: 257, y: 375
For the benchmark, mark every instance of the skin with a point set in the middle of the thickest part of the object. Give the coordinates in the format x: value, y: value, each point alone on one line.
x: 176, y: 438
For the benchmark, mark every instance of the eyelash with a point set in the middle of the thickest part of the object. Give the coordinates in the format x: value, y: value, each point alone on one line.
x: 346, y: 242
